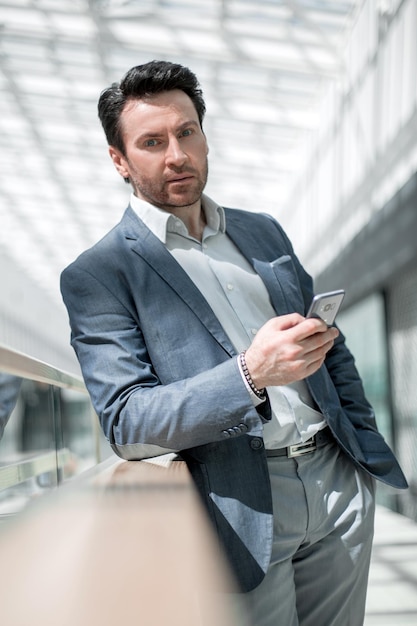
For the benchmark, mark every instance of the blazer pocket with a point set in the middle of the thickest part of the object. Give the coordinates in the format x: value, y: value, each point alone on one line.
x: 286, y: 275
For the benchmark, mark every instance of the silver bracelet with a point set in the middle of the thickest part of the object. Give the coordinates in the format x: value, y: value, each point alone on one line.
x: 260, y: 393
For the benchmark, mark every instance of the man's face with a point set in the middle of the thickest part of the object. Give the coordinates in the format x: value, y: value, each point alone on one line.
x: 165, y: 150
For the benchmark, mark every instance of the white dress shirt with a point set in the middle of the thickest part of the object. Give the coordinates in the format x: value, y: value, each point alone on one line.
x: 240, y: 301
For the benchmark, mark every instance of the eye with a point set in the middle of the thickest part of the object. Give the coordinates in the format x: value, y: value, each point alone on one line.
x: 187, y: 132
x: 149, y: 143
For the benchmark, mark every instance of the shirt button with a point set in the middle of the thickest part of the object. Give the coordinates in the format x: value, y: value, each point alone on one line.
x: 230, y: 286
x: 205, y: 246
x: 253, y: 331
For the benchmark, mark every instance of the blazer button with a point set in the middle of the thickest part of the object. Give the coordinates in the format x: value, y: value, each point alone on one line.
x: 256, y: 443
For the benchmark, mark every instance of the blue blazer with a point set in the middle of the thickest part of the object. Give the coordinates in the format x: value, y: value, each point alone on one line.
x: 159, y: 368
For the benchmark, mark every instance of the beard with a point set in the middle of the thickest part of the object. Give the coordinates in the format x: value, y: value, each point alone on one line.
x: 168, y: 196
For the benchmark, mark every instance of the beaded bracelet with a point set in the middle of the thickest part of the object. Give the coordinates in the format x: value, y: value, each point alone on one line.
x: 260, y: 393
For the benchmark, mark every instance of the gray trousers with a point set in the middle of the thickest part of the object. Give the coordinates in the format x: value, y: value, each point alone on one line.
x: 323, y: 530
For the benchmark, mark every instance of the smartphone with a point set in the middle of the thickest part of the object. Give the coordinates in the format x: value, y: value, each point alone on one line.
x: 326, y: 305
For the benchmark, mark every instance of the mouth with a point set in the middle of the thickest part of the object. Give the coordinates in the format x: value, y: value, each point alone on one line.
x: 180, y: 178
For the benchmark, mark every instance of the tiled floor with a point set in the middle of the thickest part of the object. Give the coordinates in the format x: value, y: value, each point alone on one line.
x: 392, y: 593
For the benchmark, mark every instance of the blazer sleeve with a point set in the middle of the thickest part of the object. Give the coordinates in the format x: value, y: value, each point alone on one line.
x: 140, y: 415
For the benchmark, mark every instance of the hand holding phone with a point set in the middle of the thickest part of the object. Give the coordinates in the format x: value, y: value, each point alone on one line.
x: 326, y: 306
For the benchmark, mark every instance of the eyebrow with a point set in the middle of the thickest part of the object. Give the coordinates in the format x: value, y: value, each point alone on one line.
x: 155, y: 134
x: 188, y: 123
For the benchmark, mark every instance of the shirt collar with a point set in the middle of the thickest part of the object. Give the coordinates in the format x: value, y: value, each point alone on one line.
x: 161, y: 222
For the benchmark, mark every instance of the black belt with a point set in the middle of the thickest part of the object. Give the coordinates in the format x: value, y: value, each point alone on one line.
x: 322, y: 438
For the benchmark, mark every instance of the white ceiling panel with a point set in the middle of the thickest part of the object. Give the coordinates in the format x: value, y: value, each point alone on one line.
x: 263, y: 66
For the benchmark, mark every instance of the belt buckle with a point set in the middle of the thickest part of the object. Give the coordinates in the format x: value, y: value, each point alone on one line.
x: 301, y: 448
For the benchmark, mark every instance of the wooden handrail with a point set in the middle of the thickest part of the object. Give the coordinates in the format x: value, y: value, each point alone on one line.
x: 130, y: 544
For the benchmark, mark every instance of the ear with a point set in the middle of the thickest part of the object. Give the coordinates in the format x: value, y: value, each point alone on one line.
x: 119, y: 162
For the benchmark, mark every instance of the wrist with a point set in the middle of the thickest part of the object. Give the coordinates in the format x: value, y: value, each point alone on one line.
x: 260, y: 393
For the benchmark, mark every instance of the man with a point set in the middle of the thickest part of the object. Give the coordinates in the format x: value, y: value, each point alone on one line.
x: 188, y: 320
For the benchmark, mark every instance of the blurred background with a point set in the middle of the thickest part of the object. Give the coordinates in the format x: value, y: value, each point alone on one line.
x: 311, y: 117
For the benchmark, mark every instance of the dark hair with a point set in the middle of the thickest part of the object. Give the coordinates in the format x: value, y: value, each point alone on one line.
x: 140, y: 82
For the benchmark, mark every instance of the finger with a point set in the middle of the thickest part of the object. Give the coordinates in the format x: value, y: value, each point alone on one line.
x: 286, y: 322
x: 308, y: 327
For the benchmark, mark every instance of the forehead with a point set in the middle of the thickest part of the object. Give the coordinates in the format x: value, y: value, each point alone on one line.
x: 159, y: 110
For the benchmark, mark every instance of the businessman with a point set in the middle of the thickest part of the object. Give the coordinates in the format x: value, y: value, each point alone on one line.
x: 188, y: 320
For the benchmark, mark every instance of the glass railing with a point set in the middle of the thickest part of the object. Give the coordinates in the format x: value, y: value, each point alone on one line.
x: 124, y: 531
x: 49, y: 432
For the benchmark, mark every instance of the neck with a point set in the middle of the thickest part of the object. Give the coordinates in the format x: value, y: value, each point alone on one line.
x: 194, y: 219
x: 196, y: 229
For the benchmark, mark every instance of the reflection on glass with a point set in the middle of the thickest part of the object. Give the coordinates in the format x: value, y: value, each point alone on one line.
x: 364, y: 327
x: 48, y: 434
x: 9, y: 391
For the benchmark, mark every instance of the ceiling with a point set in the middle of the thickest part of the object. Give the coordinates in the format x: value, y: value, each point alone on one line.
x: 262, y: 64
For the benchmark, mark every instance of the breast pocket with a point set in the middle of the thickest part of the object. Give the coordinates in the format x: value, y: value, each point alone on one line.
x: 288, y: 284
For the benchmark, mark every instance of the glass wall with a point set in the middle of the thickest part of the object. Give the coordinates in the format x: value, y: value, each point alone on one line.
x: 366, y: 147
x: 402, y: 332
x: 364, y: 326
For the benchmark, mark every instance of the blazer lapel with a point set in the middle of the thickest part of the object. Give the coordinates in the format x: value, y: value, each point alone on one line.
x: 151, y: 249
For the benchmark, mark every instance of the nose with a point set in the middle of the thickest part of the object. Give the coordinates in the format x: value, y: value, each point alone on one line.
x: 175, y: 156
